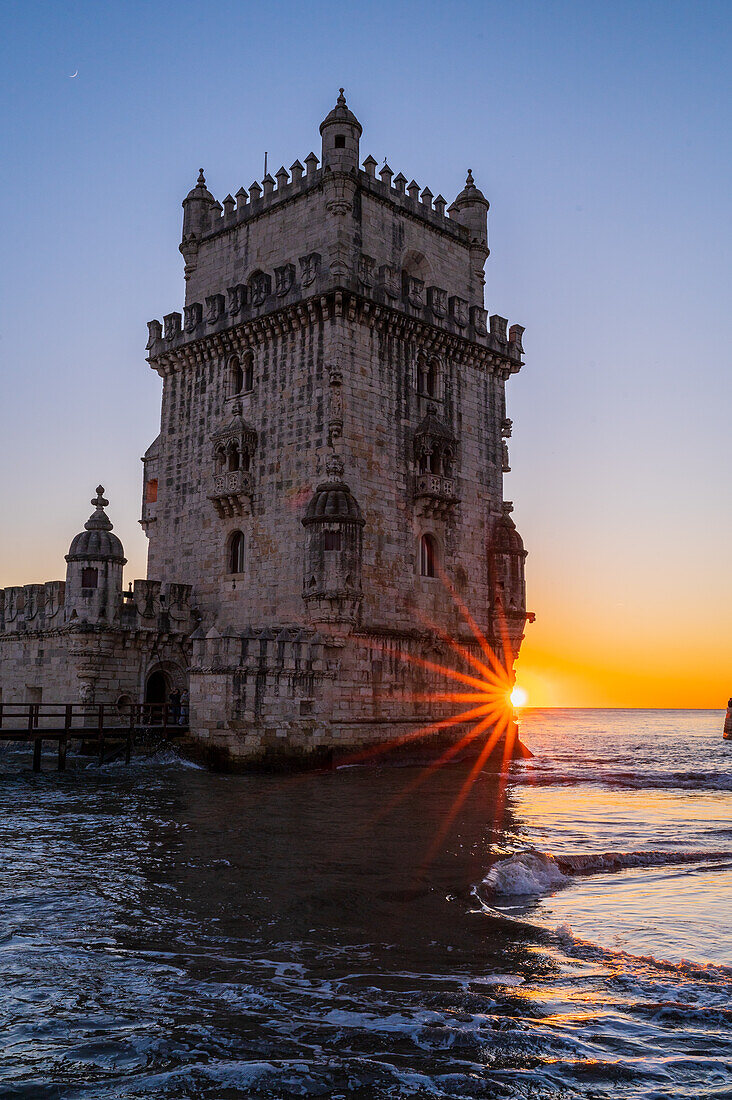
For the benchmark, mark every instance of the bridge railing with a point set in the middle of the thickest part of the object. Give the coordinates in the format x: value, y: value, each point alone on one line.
x: 90, y: 716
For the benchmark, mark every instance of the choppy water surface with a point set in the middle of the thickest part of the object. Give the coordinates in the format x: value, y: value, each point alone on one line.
x: 168, y: 932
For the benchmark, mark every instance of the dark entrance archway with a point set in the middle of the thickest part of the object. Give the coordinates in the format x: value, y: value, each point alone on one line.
x: 156, y: 688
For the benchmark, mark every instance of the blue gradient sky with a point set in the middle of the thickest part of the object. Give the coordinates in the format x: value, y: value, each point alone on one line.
x: 601, y: 135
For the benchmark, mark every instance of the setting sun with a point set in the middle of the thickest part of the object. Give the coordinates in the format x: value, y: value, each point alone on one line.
x: 519, y: 697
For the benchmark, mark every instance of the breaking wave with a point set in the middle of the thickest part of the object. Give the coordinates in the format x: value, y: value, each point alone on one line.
x: 626, y: 780
x: 533, y: 873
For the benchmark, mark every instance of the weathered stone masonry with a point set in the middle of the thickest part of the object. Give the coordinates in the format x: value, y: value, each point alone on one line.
x: 333, y: 441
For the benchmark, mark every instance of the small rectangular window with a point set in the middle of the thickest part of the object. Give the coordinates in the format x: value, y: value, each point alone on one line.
x: 332, y: 540
x: 89, y: 577
x: 151, y: 491
x: 340, y: 141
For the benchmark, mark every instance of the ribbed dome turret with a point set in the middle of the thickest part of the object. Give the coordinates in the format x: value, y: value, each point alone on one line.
x: 341, y: 113
x: 96, y: 542
x: 507, y: 540
x: 470, y: 193
x: 200, y: 191
x: 333, y: 502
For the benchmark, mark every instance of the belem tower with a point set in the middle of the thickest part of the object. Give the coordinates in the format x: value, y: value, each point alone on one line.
x: 326, y: 491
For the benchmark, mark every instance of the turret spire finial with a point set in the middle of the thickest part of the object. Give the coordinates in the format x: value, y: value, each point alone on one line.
x: 341, y: 101
x: 201, y: 178
x: 469, y: 181
x: 99, y: 520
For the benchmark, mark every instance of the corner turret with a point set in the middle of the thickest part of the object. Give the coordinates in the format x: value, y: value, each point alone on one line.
x: 471, y: 208
x: 197, y: 207
x: 341, y: 132
x: 94, y: 569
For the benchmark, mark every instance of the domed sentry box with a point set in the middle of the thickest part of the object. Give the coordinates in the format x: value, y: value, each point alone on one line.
x: 94, y: 569
x: 333, y: 551
x: 506, y: 566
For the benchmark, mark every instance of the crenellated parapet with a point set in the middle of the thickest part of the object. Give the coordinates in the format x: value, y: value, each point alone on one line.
x: 496, y: 350
x: 165, y: 608
x: 32, y: 607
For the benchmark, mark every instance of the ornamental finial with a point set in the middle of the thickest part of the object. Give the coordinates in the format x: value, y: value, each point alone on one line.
x: 201, y: 181
x: 341, y: 101
x: 99, y: 500
x: 469, y: 181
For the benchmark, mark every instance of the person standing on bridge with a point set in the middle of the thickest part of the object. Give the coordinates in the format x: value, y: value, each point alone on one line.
x: 174, y: 700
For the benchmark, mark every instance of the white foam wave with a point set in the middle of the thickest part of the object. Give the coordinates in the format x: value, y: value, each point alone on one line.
x: 529, y: 873
x: 686, y: 970
x: 533, y: 873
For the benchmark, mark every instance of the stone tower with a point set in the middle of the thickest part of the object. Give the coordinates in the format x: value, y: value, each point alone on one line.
x: 328, y: 476
x: 94, y: 569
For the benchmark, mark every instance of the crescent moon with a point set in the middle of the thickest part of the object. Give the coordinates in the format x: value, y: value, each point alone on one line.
x: 74, y: 74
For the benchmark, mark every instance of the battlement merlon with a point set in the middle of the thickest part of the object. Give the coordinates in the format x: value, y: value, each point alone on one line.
x: 341, y: 211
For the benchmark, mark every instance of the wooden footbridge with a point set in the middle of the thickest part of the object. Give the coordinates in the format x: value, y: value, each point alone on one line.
x: 101, y: 729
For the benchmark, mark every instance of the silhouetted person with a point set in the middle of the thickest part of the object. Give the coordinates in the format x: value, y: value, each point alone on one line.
x: 175, y: 706
x: 728, y: 721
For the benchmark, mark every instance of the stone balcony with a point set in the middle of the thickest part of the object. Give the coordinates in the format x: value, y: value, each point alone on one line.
x: 231, y: 492
x: 434, y: 494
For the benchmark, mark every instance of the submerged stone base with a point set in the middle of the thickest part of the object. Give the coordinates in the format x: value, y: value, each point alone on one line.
x: 302, y: 748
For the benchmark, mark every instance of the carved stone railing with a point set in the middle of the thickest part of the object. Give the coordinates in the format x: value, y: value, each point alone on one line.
x: 231, y: 492
x: 434, y: 494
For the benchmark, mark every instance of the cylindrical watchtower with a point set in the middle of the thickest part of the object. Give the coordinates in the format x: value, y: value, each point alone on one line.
x: 94, y: 569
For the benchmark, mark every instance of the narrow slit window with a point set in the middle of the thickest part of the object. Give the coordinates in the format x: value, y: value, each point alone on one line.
x: 236, y: 553
x: 427, y: 555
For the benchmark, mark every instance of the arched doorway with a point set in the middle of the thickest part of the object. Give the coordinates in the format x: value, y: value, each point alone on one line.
x: 156, y: 688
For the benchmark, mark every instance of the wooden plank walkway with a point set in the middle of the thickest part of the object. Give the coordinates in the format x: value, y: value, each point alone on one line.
x: 97, y: 726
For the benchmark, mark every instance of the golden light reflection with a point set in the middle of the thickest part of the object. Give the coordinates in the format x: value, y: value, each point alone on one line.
x: 487, y: 707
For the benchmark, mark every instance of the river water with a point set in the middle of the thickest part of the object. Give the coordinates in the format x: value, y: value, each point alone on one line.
x: 168, y: 932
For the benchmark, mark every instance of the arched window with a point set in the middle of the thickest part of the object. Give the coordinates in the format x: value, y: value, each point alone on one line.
x: 234, y: 457
x: 220, y: 460
x: 331, y: 540
x: 247, y: 374
x: 422, y: 374
x: 427, y: 555
x: 432, y: 378
x: 236, y: 375
x: 435, y: 462
x: 428, y: 376
x: 236, y: 553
